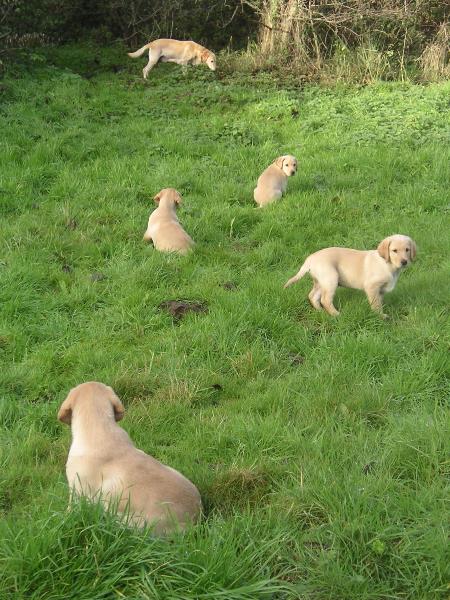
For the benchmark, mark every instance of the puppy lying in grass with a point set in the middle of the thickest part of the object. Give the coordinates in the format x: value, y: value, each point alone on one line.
x: 374, y: 271
x: 272, y: 183
x: 182, y: 53
x: 103, y: 463
x: 163, y: 227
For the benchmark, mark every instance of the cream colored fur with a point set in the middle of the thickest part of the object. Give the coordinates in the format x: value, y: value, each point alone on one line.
x: 374, y: 271
x: 163, y: 227
x: 180, y: 52
x: 104, y: 463
x: 272, y: 183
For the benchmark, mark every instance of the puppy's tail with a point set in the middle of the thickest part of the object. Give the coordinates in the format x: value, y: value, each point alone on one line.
x: 139, y: 52
x: 303, y: 270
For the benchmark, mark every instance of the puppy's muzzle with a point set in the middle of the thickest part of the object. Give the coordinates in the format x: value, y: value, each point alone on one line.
x: 404, y: 262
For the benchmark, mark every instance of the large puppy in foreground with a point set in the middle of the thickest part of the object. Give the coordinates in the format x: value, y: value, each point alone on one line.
x: 374, y: 271
x: 182, y: 53
x: 163, y: 227
x: 272, y: 182
x: 104, y: 463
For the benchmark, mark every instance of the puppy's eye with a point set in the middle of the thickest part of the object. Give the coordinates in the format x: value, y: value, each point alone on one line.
x: 394, y: 251
x: 407, y: 249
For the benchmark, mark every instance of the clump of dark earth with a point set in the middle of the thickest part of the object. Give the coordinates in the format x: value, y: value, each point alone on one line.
x: 229, y: 285
x: 296, y: 359
x: 98, y: 277
x: 178, y: 308
x: 369, y: 467
x: 71, y: 224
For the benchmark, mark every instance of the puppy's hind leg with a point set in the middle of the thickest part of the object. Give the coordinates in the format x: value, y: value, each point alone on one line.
x: 147, y: 236
x: 327, y: 303
x: 153, y: 58
x: 277, y: 195
x: 315, y: 295
x: 328, y: 290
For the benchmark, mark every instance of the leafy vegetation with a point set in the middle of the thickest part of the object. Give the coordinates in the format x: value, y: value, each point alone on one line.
x: 319, y: 445
x: 318, y: 40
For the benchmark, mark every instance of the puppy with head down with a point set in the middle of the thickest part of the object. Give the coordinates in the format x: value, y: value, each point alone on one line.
x: 374, y: 271
x: 181, y: 52
x: 163, y: 227
x: 103, y: 463
x: 272, y: 183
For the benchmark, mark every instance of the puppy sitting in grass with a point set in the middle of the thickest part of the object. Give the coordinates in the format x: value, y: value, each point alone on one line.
x: 104, y: 464
x: 182, y: 53
x: 163, y: 227
x: 272, y: 183
x: 374, y: 271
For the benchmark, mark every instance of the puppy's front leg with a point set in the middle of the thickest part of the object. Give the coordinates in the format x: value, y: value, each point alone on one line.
x: 375, y: 298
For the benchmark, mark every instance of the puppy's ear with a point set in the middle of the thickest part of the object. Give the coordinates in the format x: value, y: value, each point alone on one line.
x: 279, y: 161
x: 157, y: 198
x: 413, y: 250
x: 204, y: 55
x: 178, y: 198
x: 65, y: 411
x: 383, y: 249
x: 119, y: 409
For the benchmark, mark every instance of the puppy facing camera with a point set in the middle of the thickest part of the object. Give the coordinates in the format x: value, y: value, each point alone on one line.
x: 272, y: 183
x: 374, y: 271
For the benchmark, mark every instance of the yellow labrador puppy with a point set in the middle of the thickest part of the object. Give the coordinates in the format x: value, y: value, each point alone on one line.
x: 374, y: 271
x: 163, y: 227
x: 272, y: 183
x: 103, y: 462
x: 182, y: 53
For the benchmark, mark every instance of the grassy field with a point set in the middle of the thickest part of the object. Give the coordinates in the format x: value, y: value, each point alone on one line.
x: 320, y: 446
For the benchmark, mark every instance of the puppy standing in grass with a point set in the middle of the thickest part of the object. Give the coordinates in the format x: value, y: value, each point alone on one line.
x: 272, y: 183
x: 374, y: 271
x: 163, y: 227
x: 182, y: 53
x: 104, y: 463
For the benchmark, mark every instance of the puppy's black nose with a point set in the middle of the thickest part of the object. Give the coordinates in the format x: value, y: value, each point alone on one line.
x: 404, y: 262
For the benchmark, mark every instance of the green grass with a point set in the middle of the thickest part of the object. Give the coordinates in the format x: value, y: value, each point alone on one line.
x: 320, y: 446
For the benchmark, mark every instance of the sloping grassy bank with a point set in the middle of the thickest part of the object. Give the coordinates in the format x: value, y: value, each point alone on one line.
x: 319, y: 445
